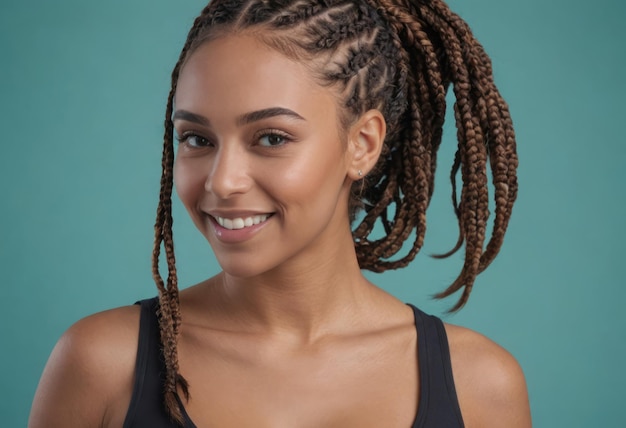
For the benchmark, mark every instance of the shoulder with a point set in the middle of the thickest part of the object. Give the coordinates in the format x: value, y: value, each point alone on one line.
x: 490, y: 384
x: 88, y: 378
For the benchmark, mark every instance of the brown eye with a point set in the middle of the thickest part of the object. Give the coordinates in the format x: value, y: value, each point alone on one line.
x: 272, y: 140
x: 193, y: 140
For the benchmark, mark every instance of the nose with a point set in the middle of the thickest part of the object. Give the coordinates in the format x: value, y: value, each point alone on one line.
x: 229, y: 172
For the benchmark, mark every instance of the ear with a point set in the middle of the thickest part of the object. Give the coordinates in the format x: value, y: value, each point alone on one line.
x: 365, y: 142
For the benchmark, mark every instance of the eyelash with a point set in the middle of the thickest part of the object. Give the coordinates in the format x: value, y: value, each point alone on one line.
x: 184, y: 139
x: 273, y: 133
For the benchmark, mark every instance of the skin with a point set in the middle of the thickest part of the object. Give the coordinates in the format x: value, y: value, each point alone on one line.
x: 290, y: 331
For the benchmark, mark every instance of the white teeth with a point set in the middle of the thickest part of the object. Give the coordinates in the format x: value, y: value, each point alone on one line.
x: 240, y: 223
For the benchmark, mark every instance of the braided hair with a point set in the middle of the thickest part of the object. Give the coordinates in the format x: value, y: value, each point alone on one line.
x: 397, y: 56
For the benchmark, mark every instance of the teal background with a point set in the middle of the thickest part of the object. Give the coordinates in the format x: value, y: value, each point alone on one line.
x: 83, y: 86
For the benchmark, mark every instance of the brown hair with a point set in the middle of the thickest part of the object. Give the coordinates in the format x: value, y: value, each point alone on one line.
x: 398, y: 56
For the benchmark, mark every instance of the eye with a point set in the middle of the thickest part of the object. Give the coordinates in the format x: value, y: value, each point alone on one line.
x: 193, y: 140
x: 272, y: 139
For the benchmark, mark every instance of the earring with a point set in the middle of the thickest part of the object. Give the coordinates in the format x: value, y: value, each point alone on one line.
x: 360, y: 173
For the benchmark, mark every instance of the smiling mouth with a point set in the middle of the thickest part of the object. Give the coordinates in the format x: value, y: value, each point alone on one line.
x: 240, y: 222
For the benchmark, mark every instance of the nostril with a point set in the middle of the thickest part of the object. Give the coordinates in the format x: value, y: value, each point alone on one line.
x: 226, y: 183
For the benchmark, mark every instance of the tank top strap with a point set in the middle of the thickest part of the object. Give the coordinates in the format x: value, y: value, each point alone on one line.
x: 438, y: 404
x: 146, y: 409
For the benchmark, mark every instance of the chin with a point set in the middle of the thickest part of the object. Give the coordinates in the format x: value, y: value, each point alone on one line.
x: 241, y: 267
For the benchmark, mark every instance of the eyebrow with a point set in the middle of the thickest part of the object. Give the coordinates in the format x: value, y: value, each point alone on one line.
x: 244, y: 119
x: 190, y: 117
x: 255, y: 116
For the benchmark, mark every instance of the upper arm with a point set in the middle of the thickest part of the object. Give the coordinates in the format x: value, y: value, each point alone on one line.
x: 490, y: 384
x: 89, y: 374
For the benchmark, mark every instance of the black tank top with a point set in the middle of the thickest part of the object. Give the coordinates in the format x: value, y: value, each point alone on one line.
x: 438, y: 406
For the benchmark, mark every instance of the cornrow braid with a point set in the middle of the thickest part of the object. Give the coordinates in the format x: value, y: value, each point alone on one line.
x: 397, y: 56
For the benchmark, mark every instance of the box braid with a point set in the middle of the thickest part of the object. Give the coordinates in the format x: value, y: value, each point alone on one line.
x: 397, y: 56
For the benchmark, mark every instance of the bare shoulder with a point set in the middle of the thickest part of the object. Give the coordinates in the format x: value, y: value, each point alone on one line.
x: 490, y: 384
x: 88, y: 378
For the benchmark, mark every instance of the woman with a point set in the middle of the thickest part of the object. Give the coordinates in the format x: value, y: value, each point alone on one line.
x: 292, y: 116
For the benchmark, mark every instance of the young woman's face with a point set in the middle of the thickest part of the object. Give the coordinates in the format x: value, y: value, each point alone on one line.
x: 261, y: 167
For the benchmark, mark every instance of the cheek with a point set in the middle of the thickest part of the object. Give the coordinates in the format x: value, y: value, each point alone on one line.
x: 316, y: 178
x: 188, y: 181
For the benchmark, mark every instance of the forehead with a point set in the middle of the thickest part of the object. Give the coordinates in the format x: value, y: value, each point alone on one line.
x: 239, y: 73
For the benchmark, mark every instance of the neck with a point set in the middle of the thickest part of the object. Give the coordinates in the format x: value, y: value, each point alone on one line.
x: 305, y: 297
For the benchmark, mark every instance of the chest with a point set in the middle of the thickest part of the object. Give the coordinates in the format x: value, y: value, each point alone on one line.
x: 368, y: 382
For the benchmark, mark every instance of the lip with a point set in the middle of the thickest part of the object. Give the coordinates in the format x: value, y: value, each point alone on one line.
x: 234, y: 236
x: 236, y: 213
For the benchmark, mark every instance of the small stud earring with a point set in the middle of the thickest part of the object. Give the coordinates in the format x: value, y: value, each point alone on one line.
x: 360, y: 173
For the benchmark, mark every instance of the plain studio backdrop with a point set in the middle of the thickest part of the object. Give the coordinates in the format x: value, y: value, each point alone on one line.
x: 83, y: 86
